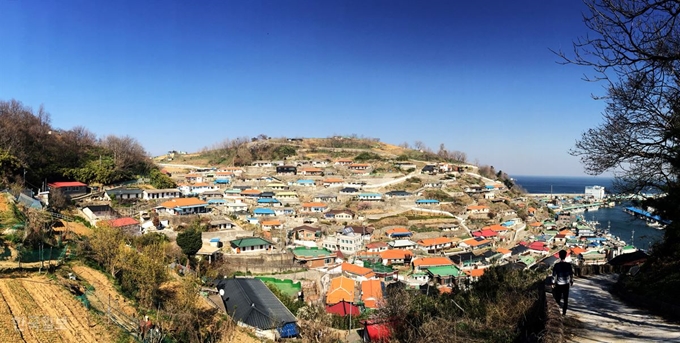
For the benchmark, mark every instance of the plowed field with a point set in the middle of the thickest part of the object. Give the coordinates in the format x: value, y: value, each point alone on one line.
x: 38, y: 310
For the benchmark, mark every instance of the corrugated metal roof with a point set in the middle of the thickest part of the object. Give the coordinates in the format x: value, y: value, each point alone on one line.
x: 251, y: 302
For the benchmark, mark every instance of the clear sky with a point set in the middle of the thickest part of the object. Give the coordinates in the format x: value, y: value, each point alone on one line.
x: 477, y: 76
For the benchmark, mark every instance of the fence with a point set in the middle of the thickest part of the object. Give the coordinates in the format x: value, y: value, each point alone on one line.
x: 45, y: 254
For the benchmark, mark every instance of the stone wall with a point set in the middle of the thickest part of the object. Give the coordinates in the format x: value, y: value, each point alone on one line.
x: 554, y: 326
x: 262, y: 263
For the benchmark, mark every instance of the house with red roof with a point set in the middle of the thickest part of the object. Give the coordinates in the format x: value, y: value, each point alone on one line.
x: 538, y: 247
x: 127, y: 224
x: 376, y: 331
x: 486, y: 233
x: 343, y: 308
x: 68, y: 188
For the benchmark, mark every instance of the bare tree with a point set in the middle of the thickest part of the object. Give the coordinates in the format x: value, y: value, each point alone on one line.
x: 419, y: 145
x: 634, y: 48
x: 127, y: 152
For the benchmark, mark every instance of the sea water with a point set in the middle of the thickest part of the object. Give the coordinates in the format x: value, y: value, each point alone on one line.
x: 628, y: 228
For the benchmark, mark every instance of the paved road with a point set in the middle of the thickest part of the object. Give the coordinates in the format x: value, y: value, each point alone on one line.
x: 595, y: 315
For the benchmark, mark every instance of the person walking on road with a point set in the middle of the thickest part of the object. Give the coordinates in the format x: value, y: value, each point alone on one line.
x: 563, y: 277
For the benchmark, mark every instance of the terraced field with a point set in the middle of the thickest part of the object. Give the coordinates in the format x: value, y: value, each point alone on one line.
x: 36, y: 309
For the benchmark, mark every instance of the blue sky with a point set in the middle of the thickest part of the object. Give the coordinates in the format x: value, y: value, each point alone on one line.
x: 182, y: 75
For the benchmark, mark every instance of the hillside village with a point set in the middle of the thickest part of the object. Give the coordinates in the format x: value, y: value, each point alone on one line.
x: 339, y: 231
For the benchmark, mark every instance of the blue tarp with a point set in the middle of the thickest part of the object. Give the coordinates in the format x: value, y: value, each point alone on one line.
x: 222, y: 181
x: 402, y: 234
x: 289, y: 330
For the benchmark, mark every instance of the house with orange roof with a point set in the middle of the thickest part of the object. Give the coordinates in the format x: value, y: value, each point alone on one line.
x: 505, y: 253
x: 341, y: 289
x: 251, y: 193
x: 372, y: 293
x: 182, y: 206
x: 475, y: 243
x: 567, y: 233
x: 531, y: 211
x: 474, y: 274
x: 270, y: 224
x: 477, y: 209
x: 435, y: 244
x: 311, y: 171
x: 398, y: 232
x: 333, y: 181
x: 423, y: 263
x: 536, y: 224
x: 396, y: 256
x: 314, y: 207
x: 577, y: 251
x: 357, y: 273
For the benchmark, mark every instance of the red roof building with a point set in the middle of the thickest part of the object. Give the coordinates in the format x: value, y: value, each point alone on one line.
x: 343, y: 308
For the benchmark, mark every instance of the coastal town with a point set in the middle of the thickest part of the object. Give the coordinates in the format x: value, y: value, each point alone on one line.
x: 340, y: 232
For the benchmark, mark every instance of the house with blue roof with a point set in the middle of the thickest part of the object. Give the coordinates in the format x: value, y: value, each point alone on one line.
x: 427, y: 202
x: 263, y: 212
x: 28, y: 201
x: 369, y: 197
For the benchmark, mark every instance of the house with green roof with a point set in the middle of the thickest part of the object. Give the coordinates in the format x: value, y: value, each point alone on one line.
x: 528, y: 260
x: 251, y: 245
x: 444, y: 275
x: 313, y: 257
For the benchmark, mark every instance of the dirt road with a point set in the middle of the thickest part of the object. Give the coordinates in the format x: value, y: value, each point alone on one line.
x: 595, y: 315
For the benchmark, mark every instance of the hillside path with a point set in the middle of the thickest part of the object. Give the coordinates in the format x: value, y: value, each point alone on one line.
x: 595, y: 315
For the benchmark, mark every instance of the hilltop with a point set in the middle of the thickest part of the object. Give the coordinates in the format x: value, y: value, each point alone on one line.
x: 243, y: 151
